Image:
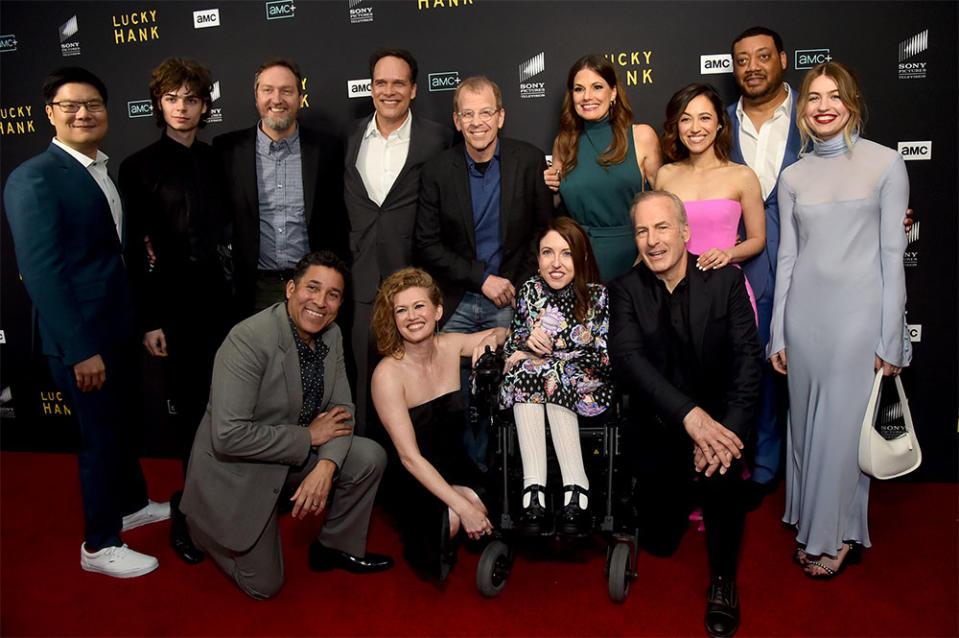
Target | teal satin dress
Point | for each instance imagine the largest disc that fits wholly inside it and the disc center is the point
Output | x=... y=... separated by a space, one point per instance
x=598 y=197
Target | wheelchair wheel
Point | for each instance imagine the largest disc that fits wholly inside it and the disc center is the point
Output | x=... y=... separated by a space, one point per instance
x=493 y=570
x=620 y=574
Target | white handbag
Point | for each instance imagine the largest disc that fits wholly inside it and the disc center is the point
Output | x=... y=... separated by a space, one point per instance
x=886 y=458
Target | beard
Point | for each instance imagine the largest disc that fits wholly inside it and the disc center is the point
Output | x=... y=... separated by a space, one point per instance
x=278 y=123
x=772 y=85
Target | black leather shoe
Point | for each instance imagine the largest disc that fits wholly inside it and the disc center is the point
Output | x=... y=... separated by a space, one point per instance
x=754 y=493
x=573 y=520
x=722 y=608
x=533 y=520
x=180 y=539
x=323 y=559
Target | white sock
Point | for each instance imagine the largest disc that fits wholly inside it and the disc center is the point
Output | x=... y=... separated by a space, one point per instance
x=569 y=452
x=531 y=432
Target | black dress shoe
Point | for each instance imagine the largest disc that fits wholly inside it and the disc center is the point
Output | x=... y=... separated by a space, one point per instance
x=323 y=559
x=722 y=608
x=180 y=539
x=754 y=493
x=573 y=520
x=533 y=520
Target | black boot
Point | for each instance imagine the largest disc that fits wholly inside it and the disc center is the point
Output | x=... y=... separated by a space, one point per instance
x=722 y=607
x=180 y=539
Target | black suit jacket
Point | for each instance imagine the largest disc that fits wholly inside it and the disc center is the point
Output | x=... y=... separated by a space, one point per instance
x=445 y=240
x=322 y=159
x=381 y=237
x=726 y=383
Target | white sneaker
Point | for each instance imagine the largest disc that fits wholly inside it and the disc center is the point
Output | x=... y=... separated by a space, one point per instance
x=149 y=513
x=119 y=562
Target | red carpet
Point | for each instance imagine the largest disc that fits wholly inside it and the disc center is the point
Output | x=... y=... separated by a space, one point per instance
x=907 y=585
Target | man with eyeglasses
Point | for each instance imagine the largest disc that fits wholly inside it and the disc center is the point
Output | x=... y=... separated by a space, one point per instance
x=286 y=189
x=68 y=229
x=481 y=208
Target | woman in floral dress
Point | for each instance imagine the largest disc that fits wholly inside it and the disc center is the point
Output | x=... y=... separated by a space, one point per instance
x=558 y=366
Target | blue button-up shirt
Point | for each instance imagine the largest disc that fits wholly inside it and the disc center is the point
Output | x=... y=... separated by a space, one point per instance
x=279 y=185
x=485 y=193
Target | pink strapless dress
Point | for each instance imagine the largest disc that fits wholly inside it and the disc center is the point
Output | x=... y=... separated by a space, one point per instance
x=714 y=223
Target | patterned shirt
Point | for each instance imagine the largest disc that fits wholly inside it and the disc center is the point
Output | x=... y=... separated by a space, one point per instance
x=312 y=367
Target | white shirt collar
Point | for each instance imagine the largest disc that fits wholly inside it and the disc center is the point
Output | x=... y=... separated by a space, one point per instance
x=402 y=133
x=785 y=107
x=84 y=159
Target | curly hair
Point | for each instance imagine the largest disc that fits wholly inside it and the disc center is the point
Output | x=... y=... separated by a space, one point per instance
x=849 y=92
x=571 y=124
x=585 y=270
x=174 y=73
x=388 y=339
x=672 y=146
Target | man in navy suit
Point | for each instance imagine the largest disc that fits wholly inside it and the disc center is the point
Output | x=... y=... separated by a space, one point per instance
x=766 y=139
x=68 y=226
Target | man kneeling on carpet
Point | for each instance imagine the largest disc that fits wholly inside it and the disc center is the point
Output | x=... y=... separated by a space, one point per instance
x=280 y=416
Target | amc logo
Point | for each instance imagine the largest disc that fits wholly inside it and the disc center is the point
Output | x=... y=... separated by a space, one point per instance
x=206 y=19
x=280 y=9
x=808 y=58
x=8 y=43
x=140 y=108
x=445 y=81
x=916 y=150
x=915 y=332
x=358 y=88
x=716 y=63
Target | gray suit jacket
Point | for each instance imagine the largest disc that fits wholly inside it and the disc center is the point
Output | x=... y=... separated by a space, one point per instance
x=381 y=237
x=249 y=437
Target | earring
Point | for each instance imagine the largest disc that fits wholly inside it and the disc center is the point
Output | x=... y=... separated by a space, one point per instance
x=612 y=103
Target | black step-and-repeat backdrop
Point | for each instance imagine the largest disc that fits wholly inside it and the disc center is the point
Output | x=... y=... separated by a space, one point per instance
x=905 y=54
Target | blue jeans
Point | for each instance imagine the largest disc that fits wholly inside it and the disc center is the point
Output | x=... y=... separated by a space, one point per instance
x=473 y=314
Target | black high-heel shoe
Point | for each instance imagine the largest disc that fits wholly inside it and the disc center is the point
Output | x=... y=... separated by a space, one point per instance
x=852 y=557
x=533 y=520
x=573 y=520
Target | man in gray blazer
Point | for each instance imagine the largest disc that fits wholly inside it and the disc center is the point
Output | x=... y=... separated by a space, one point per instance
x=384 y=155
x=280 y=416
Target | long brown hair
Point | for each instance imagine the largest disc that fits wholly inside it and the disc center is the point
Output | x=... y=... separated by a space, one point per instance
x=672 y=146
x=388 y=339
x=585 y=270
x=571 y=124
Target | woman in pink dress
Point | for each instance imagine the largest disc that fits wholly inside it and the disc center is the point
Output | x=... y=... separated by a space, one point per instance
x=697 y=137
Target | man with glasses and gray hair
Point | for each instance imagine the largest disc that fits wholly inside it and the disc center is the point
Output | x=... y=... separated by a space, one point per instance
x=68 y=228
x=482 y=206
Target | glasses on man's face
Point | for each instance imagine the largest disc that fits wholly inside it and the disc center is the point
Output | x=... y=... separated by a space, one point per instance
x=484 y=116
x=92 y=106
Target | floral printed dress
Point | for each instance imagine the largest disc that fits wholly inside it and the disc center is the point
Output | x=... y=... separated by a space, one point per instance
x=576 y=375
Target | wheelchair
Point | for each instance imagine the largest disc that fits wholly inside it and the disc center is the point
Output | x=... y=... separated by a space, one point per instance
x=600 y=438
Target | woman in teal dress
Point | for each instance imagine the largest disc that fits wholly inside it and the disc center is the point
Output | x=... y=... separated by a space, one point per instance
x=601 y=160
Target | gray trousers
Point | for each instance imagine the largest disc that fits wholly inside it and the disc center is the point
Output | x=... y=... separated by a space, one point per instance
x=258 y=571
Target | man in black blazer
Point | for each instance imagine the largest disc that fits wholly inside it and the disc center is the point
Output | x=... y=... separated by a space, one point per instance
x=482 y=207
x=286 y=189
x=684 y=345
x=384 y=156
x=68 y=226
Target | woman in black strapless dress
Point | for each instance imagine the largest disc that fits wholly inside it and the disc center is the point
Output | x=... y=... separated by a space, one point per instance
x=416 y=392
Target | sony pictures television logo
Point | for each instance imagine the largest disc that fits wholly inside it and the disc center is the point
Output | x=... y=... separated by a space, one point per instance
x=808 y=58
x=444 y=81
x=8 y=43
x=216 y=113
x=529 y=70
x=139 y=108
x=206 y=18
x=69 y=45
x=910 y=48
x=360 y=14
x=910 y=258
x=358 y=88
x=280 y=9
x=715 y=63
